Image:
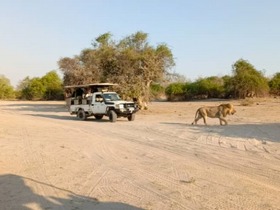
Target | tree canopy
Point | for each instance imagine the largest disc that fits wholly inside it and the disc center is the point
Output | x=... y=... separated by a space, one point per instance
x=247 y=81
x=48 y=87
x=274 y=84
x=131 y=62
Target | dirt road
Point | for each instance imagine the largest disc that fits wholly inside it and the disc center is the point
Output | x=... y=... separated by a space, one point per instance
x=51 y=160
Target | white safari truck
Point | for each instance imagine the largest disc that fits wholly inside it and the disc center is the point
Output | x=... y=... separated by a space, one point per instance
x=96 y=100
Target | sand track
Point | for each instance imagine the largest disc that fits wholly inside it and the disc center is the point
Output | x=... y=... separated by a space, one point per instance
x=51 y=160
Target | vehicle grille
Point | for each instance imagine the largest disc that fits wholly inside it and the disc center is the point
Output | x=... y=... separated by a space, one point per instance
x=128 y=105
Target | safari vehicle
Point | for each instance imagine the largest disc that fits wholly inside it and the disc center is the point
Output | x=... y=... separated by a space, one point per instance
x=96 y=100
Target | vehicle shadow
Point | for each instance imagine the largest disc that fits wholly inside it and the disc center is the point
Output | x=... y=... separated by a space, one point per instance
x=52 y=116
x=70 y=117
x=74 y=118
x=17 y=195
x=260 y=131
x=37 y=107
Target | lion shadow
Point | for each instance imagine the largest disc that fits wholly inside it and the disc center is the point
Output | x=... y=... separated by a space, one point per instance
x=260 y=131
x=17 y=195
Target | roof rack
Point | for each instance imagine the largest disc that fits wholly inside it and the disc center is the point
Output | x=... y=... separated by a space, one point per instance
x=93 y=85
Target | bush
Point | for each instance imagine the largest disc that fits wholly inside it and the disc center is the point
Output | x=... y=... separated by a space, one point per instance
x=248 y=81
x=175 y=91
x=157 y=91
x=6 y=89
x=49 y=87
x=274 y=84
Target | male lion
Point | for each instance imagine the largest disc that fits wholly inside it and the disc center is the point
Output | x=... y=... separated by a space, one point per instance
x=220 y=112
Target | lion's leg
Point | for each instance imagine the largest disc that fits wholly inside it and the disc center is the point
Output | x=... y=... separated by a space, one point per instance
x=223 y=120
x=196 y=119
x=205 y=119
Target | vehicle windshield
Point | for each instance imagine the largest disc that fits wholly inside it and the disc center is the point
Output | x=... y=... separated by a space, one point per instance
x=111 y=97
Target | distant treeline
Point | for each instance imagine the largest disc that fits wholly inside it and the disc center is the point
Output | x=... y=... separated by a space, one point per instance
x=246 y=81
x=48 y=87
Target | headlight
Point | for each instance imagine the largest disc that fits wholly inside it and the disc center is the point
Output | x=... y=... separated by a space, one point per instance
x=120 y=106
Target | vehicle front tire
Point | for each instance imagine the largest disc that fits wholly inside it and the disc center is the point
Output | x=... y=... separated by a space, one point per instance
x=81 y=114
x=112 y=116
x=131 y=117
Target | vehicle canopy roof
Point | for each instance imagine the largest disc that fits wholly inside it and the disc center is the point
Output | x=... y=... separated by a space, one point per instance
x=93 y=85
x=79 y=90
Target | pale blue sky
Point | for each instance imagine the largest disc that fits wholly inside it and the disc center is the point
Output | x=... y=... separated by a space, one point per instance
x=205 y=36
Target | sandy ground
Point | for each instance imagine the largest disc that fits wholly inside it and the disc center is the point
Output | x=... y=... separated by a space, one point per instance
x=50 y=160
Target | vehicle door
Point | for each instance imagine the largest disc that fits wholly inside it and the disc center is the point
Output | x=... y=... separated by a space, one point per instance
x=98 y=105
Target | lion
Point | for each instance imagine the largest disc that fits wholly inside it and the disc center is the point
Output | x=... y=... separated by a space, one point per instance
x=220 y=112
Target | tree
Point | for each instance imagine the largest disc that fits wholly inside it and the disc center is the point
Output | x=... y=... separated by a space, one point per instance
x=228 y=86
x=274 y=84
x=209 y=87
x=198 y=89
x=6 y=89
x=73 y=71
x=32 y=88
x=247 y=81
x=48 y=87
x=215 y=86
x=53 y=86
x=22 y=89
x=132 y=63
x=157 y=91
x=175 y=91
x=174 y=77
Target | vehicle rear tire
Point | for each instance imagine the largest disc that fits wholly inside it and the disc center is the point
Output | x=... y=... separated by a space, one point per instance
x=82 y=115
x=112 y=116
x=99 y=116
x=131 y=117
